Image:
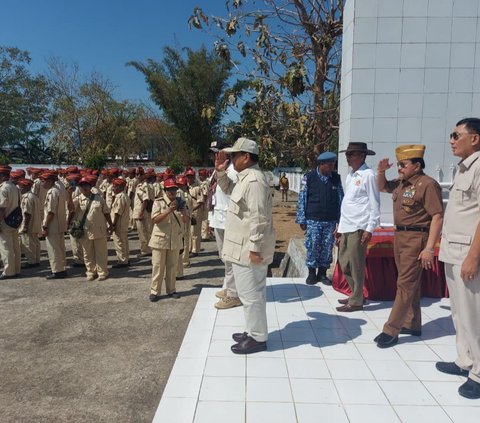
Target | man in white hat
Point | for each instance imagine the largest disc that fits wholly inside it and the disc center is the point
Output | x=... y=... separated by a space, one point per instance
x=249 y=241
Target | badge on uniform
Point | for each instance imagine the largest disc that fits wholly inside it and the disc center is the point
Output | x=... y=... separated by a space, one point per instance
x=409 y=193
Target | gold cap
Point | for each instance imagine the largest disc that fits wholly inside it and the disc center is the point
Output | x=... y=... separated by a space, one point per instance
x=410 y=151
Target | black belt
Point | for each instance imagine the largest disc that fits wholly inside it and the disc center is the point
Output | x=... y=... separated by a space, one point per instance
x=412 y=228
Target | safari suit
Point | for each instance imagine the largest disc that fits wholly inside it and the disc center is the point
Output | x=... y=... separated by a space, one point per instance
x=165 y=243
x=9 y=241
x=94 y=239
x=196 y=193
x=109 y=195
x=55 y=202
x=461 y=220
x=415 y=201
x=41 y=193
x=121 y=206
x=75 y=244
x=144 y=226
x=29 y=242
x=131 y=187
x=249 y=227
x=203 y=210
x=184 y=258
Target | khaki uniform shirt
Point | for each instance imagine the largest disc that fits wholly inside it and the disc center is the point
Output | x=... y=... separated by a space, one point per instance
x=196 y=194
x=31 y=204
x=132 y=184
x=142 y=193
x=39 y=191
x=55 y=203
x=167 y=234
x=157 y=190
x=415 y=200
x=121 y=206
x=462 y=214
x=109 y=195
x=9 y=200
x=249 y=224
x=95 y=224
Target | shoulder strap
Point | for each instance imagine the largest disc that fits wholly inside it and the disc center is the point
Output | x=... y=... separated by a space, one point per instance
x=84 y=217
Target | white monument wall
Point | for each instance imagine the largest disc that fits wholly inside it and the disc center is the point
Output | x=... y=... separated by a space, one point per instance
x=410 y=71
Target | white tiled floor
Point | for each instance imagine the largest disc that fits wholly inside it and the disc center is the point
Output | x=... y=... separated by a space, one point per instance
x=320 y=365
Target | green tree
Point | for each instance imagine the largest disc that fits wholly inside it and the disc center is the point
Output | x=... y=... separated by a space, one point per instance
x=189 y=92
x=293 y=54
x=24 y=102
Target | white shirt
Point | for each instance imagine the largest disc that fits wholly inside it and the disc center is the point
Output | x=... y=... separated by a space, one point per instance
x=361 y=205
x=220 y=200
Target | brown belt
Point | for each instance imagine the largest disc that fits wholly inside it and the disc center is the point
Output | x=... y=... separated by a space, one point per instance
x=412 y=228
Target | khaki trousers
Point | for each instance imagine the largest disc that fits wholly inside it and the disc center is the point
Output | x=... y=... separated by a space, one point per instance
x=465 y=305
x=56 y=251
x=252 y=288
x=205 y=234
x=164 y=265
x=95 y=255
x=10 y=250
x=406 y=310
x=196 y=237
x=30 y=246
x=351 y=256
x=77 y=249
x=144 y=229
x=120 y=243
x=229 y=279
x=186 y=245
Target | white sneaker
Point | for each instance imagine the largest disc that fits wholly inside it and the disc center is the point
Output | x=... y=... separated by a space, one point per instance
x=228 y=302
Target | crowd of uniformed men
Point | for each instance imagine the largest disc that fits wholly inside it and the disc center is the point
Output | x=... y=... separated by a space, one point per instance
x=103 y=203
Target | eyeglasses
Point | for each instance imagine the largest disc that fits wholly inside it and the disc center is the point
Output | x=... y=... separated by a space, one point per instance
x=457 y=135
x=403 y=165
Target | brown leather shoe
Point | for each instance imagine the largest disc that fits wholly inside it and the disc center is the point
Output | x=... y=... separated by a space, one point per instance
x=347 y=308
x=248 y=346
x=345 y=301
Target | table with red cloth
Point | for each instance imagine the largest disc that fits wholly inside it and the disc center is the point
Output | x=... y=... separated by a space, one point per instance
x=381 y=271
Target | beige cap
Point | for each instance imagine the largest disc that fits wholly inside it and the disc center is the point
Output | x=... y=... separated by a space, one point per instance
x=410 y=151
x=243 y=144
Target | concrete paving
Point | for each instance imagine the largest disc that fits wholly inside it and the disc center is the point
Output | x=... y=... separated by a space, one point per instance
x=77 y=351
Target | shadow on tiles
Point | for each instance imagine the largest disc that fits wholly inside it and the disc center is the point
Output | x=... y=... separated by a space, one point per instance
x=291 y=293
x=300 y=332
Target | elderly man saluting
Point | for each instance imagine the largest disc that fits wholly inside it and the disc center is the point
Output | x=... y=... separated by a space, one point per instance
x=249 y=239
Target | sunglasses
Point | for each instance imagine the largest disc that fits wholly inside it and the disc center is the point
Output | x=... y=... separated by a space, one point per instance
x=402 y=165
x=457 y=135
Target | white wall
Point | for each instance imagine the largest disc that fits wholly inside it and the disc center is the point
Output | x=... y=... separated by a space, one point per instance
x=410 y=71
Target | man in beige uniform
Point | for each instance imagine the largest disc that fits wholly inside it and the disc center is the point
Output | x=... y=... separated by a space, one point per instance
x=38 y=189
x=75 y=244
x=198 y=200
x=120 y=216
x=460 y=251
x=9 y=242
x=94 y=240
x=31 y=224
x=143 y=219
x=184 y=258
x=54 y=225
x=249 y=239
x=165 y=241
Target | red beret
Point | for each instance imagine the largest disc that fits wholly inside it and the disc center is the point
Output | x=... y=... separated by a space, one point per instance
x=48 y=176
x=170 y=183
x=5 y=170
x=119 y=182
x=181 y=180
x=74 y=177
x=71 y=169
x=19 y=173
x=25 y=182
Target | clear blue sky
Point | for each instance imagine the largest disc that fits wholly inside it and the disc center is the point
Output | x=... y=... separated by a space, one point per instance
x=103 y=35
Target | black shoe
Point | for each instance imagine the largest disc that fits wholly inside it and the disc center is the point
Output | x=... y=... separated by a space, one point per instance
x=175 y=295
x=120 y=265
x=248 y=346
x=3 y=276
x=312 y=277
x=450 y=368
x=153 y=298
x=239 y=337
x=58 y=275
x=385 y=341
x=413 y=332
x=78 y=265
x=324 y=279
x=470 y=389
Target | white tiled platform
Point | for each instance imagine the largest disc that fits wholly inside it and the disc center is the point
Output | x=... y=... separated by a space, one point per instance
x=320 y=366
